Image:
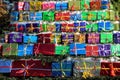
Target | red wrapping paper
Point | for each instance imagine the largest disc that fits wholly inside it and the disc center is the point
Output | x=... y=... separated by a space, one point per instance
x=95 y=5
x=67 y=27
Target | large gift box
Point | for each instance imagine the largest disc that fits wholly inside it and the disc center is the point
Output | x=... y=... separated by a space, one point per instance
x=74 y=5
x=115 y=49
x=15 y=37
x=92 y=50
x=106 y=38
x=48 y=16
x=25 y=49
x=5 y=66
x=86 y=67
x=14 y=16
x=77 y=49
x=61 y=50
x=104 y=50
x=116 y=38
x=75 y=16
x=30 y=68
x=45 y=49
x=62 y=69
x=93 y=38
x=95 y=5
x=80 y=37
x=10 y=49
x=67 y=27
x=45 y=38
x=48 y=5
x=61 y=5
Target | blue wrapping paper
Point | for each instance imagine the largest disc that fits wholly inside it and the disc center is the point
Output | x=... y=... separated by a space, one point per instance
x=75 y=16
x=14 y=16
x=58 y=27
x=104 y=4
x=30 y=39
x=38 y=16
x=116 y=38
x=61 y=6
x=21 y=27
x=5 y=66
x=31 y=16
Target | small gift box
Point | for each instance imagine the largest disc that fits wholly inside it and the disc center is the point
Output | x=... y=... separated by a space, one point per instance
x=48 y=16
x=14 y=16
x=20 y=6
x=104 y=50
x=116 y=37
x=74 y=5
x=84 y=15
x=77 y=49
x=85 y=4
x=61 y=50
x=30 y=68
x=62 y=16
x=79 y=37
x=32 y=27
x=5 y=66
x=67 y=27
x=45 y=49
x=91 y=50
x=93 y=38
x=95 y=5
x=105 y=4
x=57 y=39
x=30 y=38
x=10 y=49
x=21 y=27
x=48 y=5
x=92 y=15
x=25 y=49
x=115 y=50
x=62 y=69
x=58 y=27
x=75 y=16
x=61 y=6
x=67 y=38
x=110 y=69
x=92 y=27
x=26 y=6
x=38 y=16
x=45 y=38
x=86 y=67
x=106 y=38
x=15 y=37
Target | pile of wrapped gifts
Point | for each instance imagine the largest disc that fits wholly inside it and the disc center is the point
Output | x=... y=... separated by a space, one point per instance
x=69 y=27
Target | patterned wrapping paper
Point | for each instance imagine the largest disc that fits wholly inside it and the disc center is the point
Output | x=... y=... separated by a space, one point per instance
x=48 y=16
x=91 y=50
x=25 y=49
x=106 y=38
x=62 y=69
x=115 y=49
x=38 y=5
x=5 y=66
x=30 y=68
x=116 y=38
x=80 y=37
x=104 y=50
x=75 y=16
x=58 y=27
x=61 y=5
x=32 y=16
x=32 y=5
x=82 y=27
x=95 y=5
x=92 y=15
x=51 y=27
x=26 y=6
x=45 y=49
x=57 y=39
x=93 y=38
x=105 y=4
x=92 y=27
x=61 y=50
x=10 y=49
x=48 y=5
x=87 y=67
x=14 y=16
x=67 y=38
x=46 y=38
x=30 y=38
x=77 y=49
x=85 y=4
x=15 y=37
x=74 y=5
x=67 y=27
x=106 y=15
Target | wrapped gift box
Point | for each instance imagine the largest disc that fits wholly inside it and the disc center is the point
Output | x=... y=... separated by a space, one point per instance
x=74 y=5
x=48 y=16
x=15 y=37
x=48 y=5
x=95 y=5
x=51 y=27
x=26 y=6
x=106 y=37
x=57 y=38
x=21 y=27
x=84 y=15
x=106 y=15
x=75 y=16
x=38 y=5
x=16 y=6
x=82 y=27
x=92 y=27
x=79 y=37
x=25 y=16
x=61 y=16
x=77 y=49
x=86 y=67
x=32 y=27
x=100 y=15
x=105 y=4
x=110 y=69
x=32 y=16
x=58 y=27
x=38 y=16
x=61 y=6
x=25 y=49
x=92 y=15
x=20 y=6
x=112 y=15
x=93 y=38
x=32 y=5
x=116 y=37
x=10 y=49
x=67 y=27
x=45 y=49
x=30 y=68
x=14 y=16
x=45 y=38
x=91 y=50
x=5 y=66
x=62 y=69
x=104 y=50
x=61 y=50
x=67 y=38
x=85 y=4
x=116 y=25
x=115 y=49
x=30 y=38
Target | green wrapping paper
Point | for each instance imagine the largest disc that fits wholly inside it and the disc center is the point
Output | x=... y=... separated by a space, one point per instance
x=61 y=50
x=112 y=15
x=115 y=50
x=106 y=15
x=84 y=15
x=48 y=16
x=92 y=27
x=10 y=49
x=99 y=15
x=85 y=4
x=92 y=15
x=106 y=37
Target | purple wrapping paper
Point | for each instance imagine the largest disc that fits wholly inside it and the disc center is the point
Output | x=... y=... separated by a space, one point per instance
x=104 y=50
x=116 y=37
x=15 y=37
x=69 y=38
x=26 y=5
x=93 y=38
